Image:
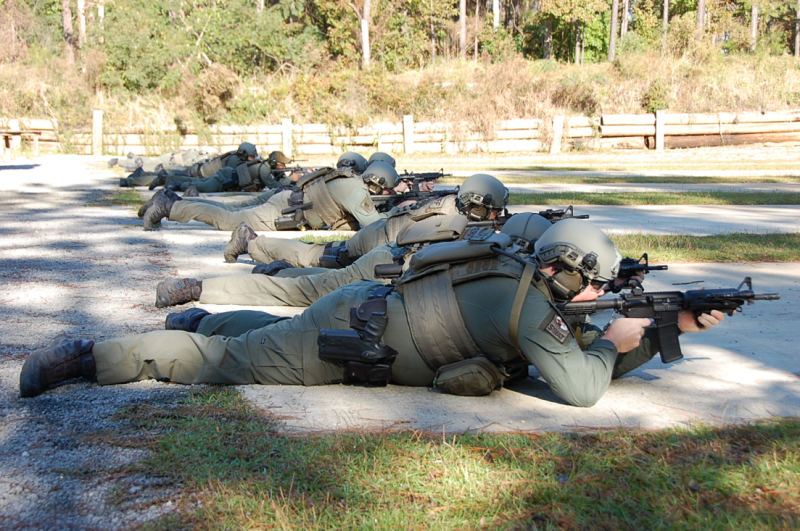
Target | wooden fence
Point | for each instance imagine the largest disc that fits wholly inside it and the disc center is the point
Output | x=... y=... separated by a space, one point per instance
x=645 y=131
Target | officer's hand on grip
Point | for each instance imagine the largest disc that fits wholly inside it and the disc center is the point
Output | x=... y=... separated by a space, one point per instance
x=626 y=333
x=688 y=324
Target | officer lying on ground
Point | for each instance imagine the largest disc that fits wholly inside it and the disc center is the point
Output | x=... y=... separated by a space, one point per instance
x=480 y=198
x=332 y=198
x=302 y=286
x=464 y=317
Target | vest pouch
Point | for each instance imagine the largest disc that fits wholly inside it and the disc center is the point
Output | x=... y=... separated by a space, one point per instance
x=473 y=377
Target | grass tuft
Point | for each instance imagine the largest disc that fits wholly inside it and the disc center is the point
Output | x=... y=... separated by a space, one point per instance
x=656 y=198
x=737 y=247
x=246 y=475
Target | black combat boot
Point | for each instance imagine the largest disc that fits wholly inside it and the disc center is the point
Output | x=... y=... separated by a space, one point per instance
x=175 y=291
x=147 y=204
x=240 y=236
x=123 y=183
x=187 y=321
x=160 y=180
x=63 y=359
x=191 y=192
x=271 y=269
x=160 y=209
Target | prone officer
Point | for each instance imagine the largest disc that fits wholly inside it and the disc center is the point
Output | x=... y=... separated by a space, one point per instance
x=465 y=317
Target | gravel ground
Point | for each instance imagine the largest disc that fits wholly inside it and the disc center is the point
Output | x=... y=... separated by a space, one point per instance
x=72 y=265
x=68 y=268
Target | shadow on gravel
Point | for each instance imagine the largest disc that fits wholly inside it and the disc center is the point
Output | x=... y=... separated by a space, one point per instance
x=18 y=167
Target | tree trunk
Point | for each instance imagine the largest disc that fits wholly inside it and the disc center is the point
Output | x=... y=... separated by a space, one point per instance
x=612 y=42
x=623 y=27
x=701 y=18
x=81 y=23
x=547 y=45
x=797 y=31
x=462 y=27
x=69 y=35
x=433 y=36
x=665 y=27
x=496 y=14
x=577 y=42
x=753 y=27
x=365 y=17
x=260 y=6
x=477 y=26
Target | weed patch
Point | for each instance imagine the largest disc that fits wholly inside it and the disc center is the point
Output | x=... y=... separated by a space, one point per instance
x=248 y=476
x=656 y=198
x=737 y=247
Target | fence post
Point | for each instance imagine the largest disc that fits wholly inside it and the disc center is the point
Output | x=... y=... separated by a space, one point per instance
x=558 y=134
x=408 y=134
x=286 y=136
x=660 y=129
x=97 y=132
x=15 y=142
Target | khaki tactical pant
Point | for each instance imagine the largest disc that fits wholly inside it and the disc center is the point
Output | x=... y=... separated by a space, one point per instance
x=235 y=202
x=262 y=290
x=261 y=217
x=282 y=353
x=265 y=249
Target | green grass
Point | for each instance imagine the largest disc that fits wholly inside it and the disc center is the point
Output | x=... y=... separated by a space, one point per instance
x=337 y=237
x=656 y=198
x=247 y=476
x=570 y=179
x=736 y=247
x=126 y=197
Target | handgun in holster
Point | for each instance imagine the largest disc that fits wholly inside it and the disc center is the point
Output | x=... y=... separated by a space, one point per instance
x=367 y=360
x=293 y=217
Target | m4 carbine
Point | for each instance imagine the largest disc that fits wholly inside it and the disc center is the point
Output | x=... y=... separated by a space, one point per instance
x=628 y=268
x=663 y=308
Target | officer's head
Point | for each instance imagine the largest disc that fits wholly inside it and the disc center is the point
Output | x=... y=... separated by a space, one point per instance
x=526 y=226
x=247 y=151
x=383 y=157
x=574 y=253
x=352 y=160
x=380 y=177
x=482 y=197
x=277 y=160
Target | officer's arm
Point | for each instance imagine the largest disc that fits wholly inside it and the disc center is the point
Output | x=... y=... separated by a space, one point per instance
x=356 y=200
x=579 y=377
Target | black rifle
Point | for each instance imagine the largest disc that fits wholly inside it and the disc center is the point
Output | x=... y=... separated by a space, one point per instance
x=416 y=178
x=296 y=169
x=628 y=267
x=557 y=215
x=413 y=196
x=663 y=307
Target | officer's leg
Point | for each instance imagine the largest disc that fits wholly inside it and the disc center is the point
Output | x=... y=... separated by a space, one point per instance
x=368 y=238
x=265 y=250
x=234 y=324
x=141 y=178
x=204 y=186
x=259 y=218
x=294 y=272
x=262 y=290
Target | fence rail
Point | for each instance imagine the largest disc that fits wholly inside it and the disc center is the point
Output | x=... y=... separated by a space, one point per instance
x=660 y=130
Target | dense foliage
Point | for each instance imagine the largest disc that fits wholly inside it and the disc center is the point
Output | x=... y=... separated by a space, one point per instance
x=251 y=60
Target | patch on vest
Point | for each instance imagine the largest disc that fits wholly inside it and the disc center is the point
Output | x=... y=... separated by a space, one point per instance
x=367 y=205
x=478 y=234
x=554 y=325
